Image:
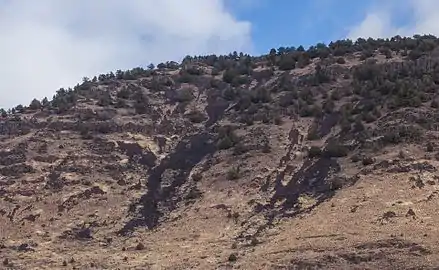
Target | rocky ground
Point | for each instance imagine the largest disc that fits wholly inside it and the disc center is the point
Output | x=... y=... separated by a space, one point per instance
x=321 y=166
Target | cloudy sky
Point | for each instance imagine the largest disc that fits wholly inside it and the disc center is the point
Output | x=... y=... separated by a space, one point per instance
x=48 y=44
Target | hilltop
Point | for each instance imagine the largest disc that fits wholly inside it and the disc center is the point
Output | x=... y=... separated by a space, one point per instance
x=313 y=158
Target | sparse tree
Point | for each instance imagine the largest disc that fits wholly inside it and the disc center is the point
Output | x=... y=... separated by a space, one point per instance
x=19 y=109
x=45 y=102
x=35 y=104
x=3 y=113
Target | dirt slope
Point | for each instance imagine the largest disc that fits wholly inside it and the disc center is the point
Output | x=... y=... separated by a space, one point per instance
x=317 y=159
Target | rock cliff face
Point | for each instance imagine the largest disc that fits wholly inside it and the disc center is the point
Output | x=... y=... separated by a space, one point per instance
x=325 y=158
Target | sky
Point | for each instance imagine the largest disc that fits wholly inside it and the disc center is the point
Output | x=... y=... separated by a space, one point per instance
x=48 y=44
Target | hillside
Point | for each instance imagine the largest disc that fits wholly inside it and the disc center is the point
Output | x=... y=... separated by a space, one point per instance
x=319 y=158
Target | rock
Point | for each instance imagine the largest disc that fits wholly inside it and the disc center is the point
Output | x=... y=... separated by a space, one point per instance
x=17 y=169
x=46 y=159
x=193 y=194
x=84 y=233
x=32 y=217
x=135 y=151
x=121 y=182
x=97 y=190
x=354 y=208
x=368 y=161
x=233 y=257
x=411 y=213
x=54 y=181
x=388 y=215
x=417 y=182
x=24 y=247
x=140 y=246
x=432 y=195
x=26 y=192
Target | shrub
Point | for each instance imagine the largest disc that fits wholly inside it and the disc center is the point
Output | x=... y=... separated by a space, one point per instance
x=185 y=77
x=341 y=61
x=260 y=94
x=233 y=257
x=247 y=119
x=196 y=116
x=233 y=173
x=368 y=117
x=120 y=103
x=226 y=138
x=85 y=133
x=366 y=54
x=35 y=104
x=215 y=72
x=336 y=150
x=240 y=80
x=415 y=54
x=104 y=99
x=314 y=152
x=313 y=132
x=287 y=63
x=240 y=149
x=184 y=95
x=356 y=158
x=368 y=161
x=197 y=177
x=229 y=75
x=263 y=74
x=402 y=133
x=225 y=143
x=277 y=119
x=19 y=109
x=430 y=147
x=194 y=70
x=266 y=148
x=124 y=93
x=337 y=183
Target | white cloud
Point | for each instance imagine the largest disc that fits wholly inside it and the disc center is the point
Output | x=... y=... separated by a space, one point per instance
x=424 y=19
x=48 y=44
x=374 y=25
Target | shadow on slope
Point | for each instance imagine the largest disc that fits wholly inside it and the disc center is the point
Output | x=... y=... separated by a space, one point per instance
x=168 y=183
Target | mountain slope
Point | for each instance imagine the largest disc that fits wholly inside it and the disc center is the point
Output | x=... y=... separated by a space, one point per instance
x=324 y=158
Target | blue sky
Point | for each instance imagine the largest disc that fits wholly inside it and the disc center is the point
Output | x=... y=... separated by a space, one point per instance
x=296 y=22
